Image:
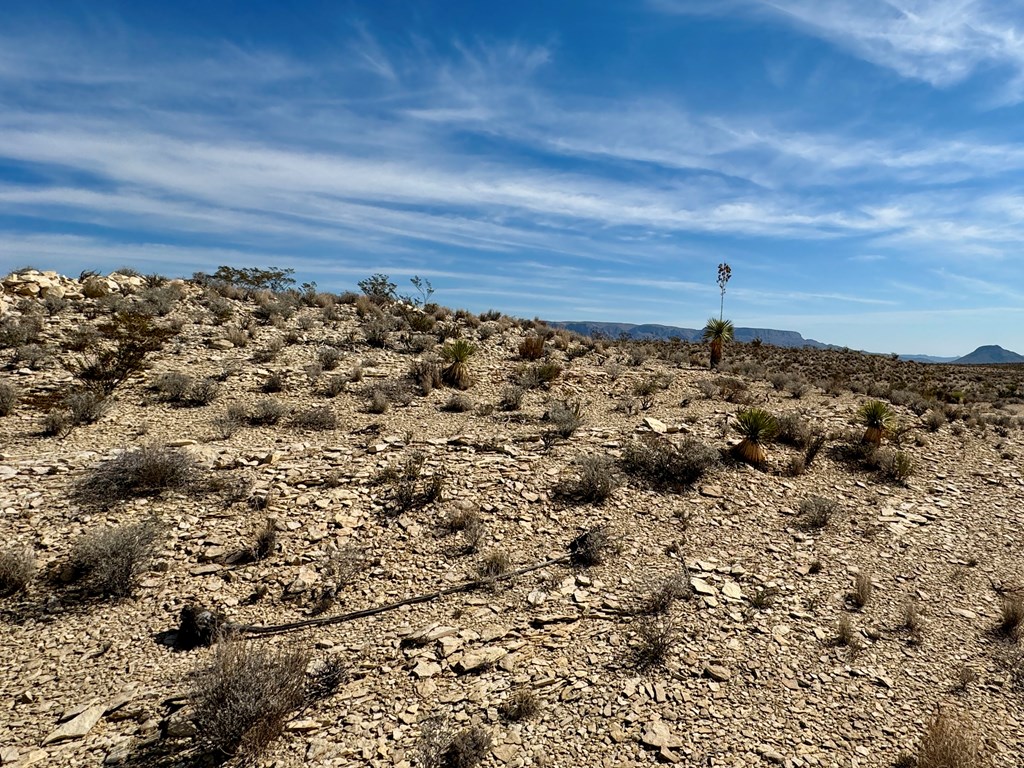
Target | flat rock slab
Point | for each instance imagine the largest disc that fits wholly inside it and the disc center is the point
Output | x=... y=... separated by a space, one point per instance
x=658 y=735
x=482 y=658
x=78 y=726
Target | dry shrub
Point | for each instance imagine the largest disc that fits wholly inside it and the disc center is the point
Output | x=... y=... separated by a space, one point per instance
x=592 y=481
x=566 y=417
x=144 y=471
x=241 y=701
x=661 y=464
x=267 y=412
x=320 y=419
x=593 y=546
x=458 y=404
x=8 y=398
x=952 y=743
x=511 y=398
x=816 y=513
x=16 y=571
x=107 y=562
x=494 y=564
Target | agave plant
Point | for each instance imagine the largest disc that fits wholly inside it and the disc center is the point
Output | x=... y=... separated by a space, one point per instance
x=456 y=373
x=718 y=332
x=757 y=427
x=878 y=419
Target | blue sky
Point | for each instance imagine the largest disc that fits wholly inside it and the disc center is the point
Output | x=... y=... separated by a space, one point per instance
x=858 y=163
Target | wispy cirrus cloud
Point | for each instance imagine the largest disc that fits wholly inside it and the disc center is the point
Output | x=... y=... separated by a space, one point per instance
x=942 y=42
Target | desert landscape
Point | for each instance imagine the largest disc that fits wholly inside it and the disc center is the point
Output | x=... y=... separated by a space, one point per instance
x=247 y=523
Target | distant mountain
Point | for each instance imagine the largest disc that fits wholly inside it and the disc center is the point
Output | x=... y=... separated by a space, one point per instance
x=927 y=359
x=652 y=331
x=990 y=354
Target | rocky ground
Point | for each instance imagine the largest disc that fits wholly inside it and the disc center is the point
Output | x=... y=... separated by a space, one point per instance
x=755 y=674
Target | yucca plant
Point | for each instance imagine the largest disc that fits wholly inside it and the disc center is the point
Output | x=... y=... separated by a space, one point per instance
x=757 y=427
x=717 y=331
x=878 y=419
x=456 y=373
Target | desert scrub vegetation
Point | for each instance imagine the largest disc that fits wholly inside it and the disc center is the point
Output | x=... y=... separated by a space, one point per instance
x=565 y=417
x=951 y=743
x=656 y=638
x=660 y=463
x=591 y=480
x=144 y=471
x=406 y=487
x=120 y=351
x=181 y=389
x=241 y=700
x=521 y=704
x=816 y=513
x=17 y=569
x=531 y=348
x=107 y=562
x=8 y=398
x=321 y=419
x=442 y=746
x=78 y=406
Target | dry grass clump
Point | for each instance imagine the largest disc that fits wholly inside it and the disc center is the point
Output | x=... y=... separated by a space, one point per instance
x=458 y=404
x=896 y=466
x=241 y=701
x=674 y=588
x=144 y=471
x=661 y=464
x=592 y=481
x=107 y=562
x=79 y=406
x=441 y=746
x=862 y=589
x=1011 y=616
x=17 y=567
x=522 y=704
x=406 y=487
x=655 y=640
x=951 y=743
x=494 y=564
x=532 y=348
x=511 y=398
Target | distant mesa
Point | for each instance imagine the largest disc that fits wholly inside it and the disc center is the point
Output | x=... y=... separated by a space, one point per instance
x=651 y=331
x=989 y=354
